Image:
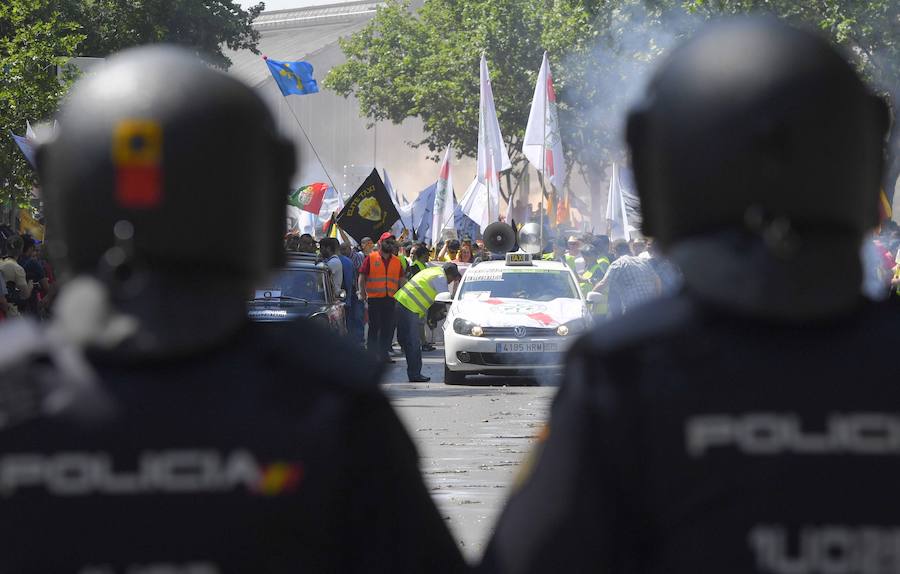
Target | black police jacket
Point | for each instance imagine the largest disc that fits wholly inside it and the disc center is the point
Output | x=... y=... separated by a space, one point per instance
x=270 y=454
x=685 y=440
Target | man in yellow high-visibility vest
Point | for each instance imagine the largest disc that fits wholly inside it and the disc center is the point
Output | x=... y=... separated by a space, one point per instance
x=413 y=301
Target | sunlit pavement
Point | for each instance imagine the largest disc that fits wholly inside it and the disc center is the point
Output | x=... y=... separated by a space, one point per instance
x=471 y=438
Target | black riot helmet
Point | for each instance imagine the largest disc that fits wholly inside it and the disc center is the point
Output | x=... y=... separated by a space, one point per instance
x=753 y=122
x=158 y=157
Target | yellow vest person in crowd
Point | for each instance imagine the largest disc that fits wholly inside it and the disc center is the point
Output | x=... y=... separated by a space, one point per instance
x=414 y=299
x=594 y=270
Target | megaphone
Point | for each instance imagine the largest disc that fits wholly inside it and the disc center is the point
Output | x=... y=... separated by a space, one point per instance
x=499 y=237
x=530 y=239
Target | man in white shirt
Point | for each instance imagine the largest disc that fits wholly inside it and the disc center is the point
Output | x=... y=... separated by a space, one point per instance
x=11 y=270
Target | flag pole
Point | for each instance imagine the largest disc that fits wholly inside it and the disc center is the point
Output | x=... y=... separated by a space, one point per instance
x=309 y=141
x=511 y=191
x=343 y=234
x=488 y=165
x=331 y=224
x=544 y=152
x=543 y=199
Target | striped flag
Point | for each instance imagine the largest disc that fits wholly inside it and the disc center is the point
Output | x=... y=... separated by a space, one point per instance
x=542 y=144
x=444 y=200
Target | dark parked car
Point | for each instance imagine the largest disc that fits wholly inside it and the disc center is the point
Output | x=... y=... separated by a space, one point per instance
x=301 y=289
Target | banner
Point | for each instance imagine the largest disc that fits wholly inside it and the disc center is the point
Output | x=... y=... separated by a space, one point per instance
x=370 y=212
x=30 y=225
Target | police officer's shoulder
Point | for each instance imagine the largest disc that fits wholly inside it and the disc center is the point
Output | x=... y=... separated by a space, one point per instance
x=319 y=356
x=658 y=320
x=41 y=376
x=20 y=393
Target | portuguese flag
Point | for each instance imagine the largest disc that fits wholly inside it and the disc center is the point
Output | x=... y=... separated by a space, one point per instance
x=309 y=197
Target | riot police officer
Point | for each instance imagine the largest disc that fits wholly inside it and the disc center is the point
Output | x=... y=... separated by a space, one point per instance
x=151 y=427
x=748 y=423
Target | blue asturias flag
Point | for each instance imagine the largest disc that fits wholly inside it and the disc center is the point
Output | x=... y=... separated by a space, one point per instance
x=293 y=77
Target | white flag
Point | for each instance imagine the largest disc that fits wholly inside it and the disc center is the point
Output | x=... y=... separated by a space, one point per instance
x=616 y=218
x=542 y=145
x=492 y=156
x=444 y=200
x=474 y=204
x=390 y=189
x=398 y=226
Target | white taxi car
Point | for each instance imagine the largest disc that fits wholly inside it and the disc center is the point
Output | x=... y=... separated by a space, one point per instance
x=515 y=316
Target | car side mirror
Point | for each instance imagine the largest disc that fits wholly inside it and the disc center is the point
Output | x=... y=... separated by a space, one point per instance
x=594 y=297
x=444 y=297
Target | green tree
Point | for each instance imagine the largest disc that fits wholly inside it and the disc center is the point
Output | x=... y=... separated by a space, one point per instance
x=203 y=25
x=38 y=35
x=34 y=39
x=425 y=64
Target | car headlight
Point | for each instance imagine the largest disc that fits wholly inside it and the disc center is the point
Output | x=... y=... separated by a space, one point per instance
x=571 y=328
x=464 y=327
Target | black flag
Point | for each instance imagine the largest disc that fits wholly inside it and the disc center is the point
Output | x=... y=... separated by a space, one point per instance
x=370 y=212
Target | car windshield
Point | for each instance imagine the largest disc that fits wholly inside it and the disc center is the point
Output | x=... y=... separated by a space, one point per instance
x=526 y=283
x=289 y=284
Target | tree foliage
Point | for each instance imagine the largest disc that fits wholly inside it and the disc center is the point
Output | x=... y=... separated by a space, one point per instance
x=38 y=35
x=203 y=25
x=425 y=64
x=33 y=40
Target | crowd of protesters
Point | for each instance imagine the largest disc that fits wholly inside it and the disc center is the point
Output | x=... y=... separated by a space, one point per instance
x=626 y=273
x=28 y=284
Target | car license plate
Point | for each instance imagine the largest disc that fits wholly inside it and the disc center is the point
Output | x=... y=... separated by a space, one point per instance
x=527 y=347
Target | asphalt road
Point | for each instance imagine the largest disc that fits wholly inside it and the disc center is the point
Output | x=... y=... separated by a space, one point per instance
x=472 y=440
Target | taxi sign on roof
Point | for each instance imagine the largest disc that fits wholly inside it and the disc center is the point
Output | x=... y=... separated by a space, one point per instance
x=518 y=258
